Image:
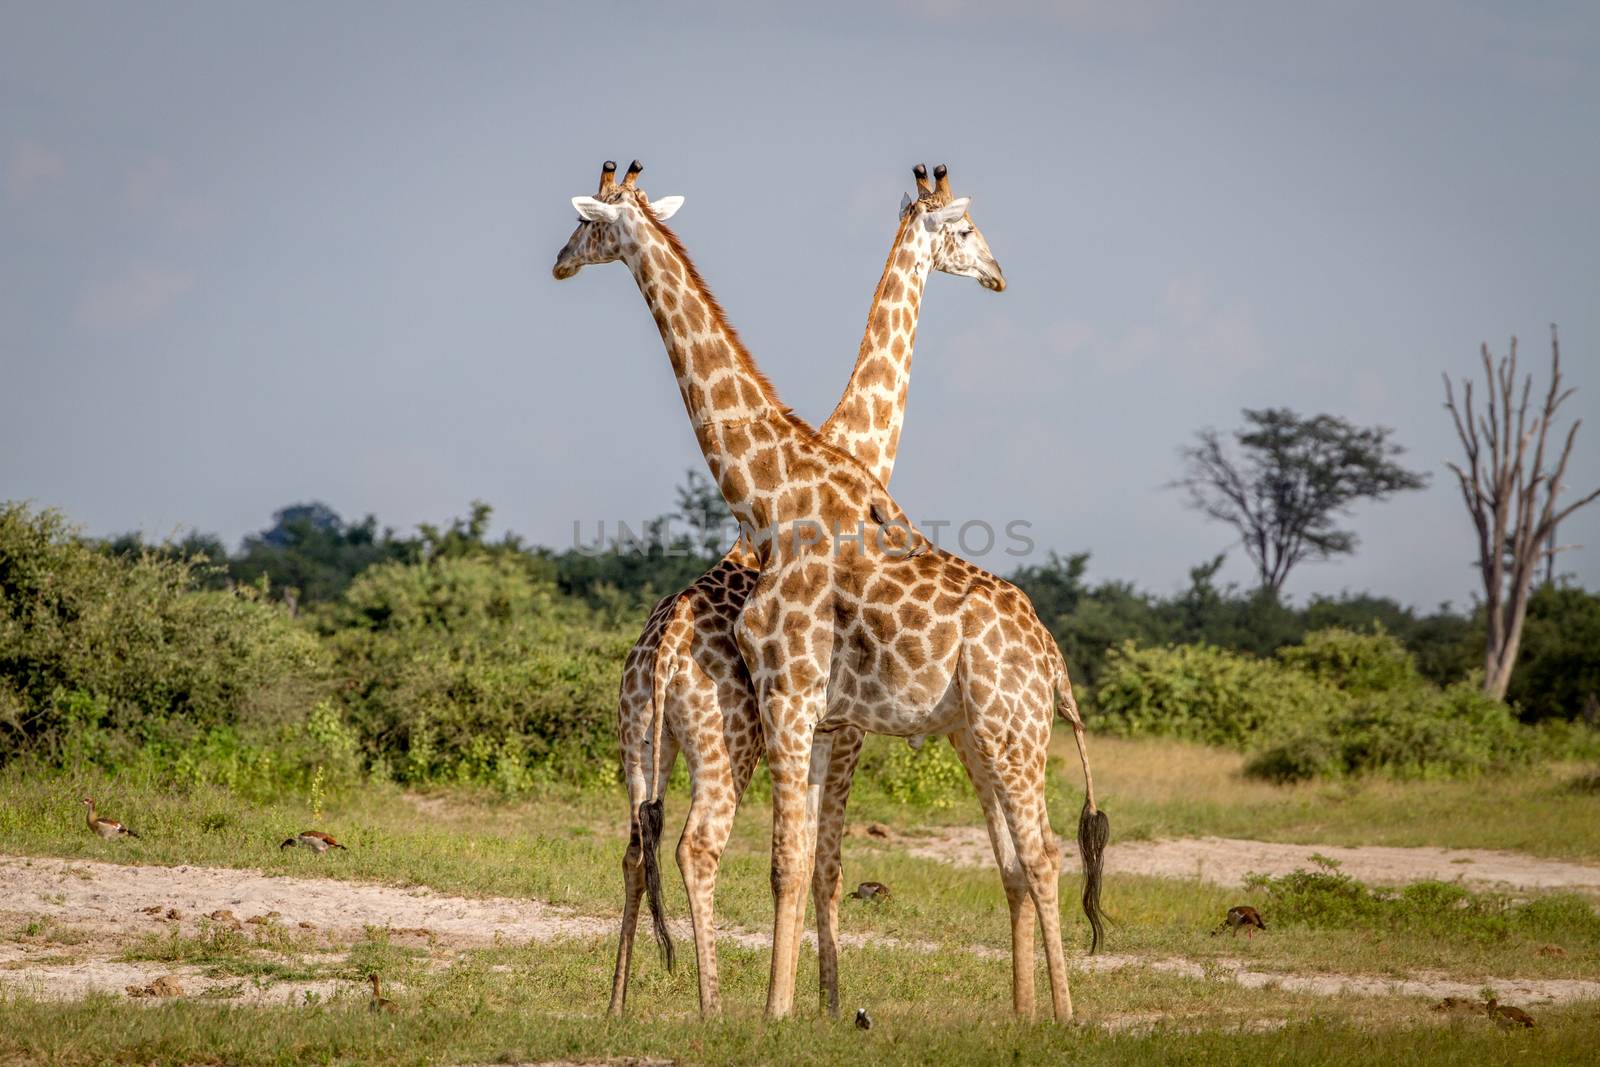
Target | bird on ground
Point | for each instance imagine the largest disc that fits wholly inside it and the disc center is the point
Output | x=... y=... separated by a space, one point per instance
x=105 y=827
x=1241 y=915
x=379 y=1002
x=315 y=840
x=863 y=1020
x=1506 y=1017
x=871 y=891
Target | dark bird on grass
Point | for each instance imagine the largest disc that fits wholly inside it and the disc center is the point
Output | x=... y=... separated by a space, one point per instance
x=1241 y=915
x=379 y=1002
x=105 y=827
x=315 y=840
x=1506 y=1017
x=871 y=891
x=863 y=1020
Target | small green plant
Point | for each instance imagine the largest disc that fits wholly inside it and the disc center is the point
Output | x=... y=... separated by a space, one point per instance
x=931 y=776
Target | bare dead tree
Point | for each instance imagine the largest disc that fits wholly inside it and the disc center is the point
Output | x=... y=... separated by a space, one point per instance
x=1512 y=495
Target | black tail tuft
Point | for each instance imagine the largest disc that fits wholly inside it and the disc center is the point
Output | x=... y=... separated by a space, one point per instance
x=650 y=817
x=1094 y=830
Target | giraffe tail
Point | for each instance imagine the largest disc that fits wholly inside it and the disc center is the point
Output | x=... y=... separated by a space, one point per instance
x=1094 y=828
x=650 y=810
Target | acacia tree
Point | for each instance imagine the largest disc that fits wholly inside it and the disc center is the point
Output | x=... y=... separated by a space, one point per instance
x=1294 y=476
x=1512 y=495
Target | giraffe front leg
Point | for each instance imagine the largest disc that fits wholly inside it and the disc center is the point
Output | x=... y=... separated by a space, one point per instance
x=827 y=881
x=789 y=748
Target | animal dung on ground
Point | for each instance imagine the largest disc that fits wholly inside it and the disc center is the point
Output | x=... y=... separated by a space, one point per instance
x=863 y=1020
x=1241 y=915
x=226 y=918
x=874 y=891
x=165 y=986
x=264 y=920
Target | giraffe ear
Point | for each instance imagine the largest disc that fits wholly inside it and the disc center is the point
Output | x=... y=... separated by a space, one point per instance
x=666 y=207
x=591 y=210
x=944 y=216
x=905 y=202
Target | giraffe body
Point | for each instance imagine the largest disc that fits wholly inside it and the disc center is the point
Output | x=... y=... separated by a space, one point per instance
x=686 y=671
x=855 y=619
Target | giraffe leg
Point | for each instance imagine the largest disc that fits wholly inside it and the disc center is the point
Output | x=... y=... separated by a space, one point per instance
x=635 y=867
x=1020 y=783
x=1012 y=876
x=816 y=784
x=633 y=892
x=790 y=763
x=705 y=835
x=827 y=881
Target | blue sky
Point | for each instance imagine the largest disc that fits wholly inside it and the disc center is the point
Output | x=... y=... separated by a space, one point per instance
x=257 y=255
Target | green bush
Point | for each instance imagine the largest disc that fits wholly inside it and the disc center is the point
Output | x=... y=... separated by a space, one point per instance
x=1327 y=898
x=1357 y=663
x=475 y=668
x=1416 y=730
x=931 y=776
x=101 y=655
x=1204 y=693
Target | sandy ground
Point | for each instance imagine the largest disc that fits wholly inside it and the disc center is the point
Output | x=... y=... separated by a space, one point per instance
x=1225 y=861
x=97 y=908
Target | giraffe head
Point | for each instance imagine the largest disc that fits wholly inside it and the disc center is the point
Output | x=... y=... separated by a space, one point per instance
x=607 y=220
x=959 y=247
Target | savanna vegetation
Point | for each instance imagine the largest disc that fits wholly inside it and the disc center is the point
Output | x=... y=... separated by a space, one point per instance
x=331 y=674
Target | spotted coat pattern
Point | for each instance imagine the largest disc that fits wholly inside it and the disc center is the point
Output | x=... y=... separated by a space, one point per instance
x=854 y=619
x=686 y=669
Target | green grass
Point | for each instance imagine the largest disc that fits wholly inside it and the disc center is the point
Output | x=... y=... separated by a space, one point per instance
x=544 y=1002
x=1161 y=788
x=945 y=1004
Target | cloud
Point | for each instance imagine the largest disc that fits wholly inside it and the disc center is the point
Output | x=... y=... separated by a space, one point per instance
x=138 y=296
x=29 y=166
x=1196 y=334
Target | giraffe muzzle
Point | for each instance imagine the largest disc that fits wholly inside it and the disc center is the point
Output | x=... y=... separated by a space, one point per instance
x=989 y=276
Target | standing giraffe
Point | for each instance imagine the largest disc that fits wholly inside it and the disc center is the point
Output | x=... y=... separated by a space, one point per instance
x=855 y=619
x=684 y=682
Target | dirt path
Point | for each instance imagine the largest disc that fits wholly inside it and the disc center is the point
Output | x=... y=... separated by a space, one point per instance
x=101 y=907
x=1225 y=861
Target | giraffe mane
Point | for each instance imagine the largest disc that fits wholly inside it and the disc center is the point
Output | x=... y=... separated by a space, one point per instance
x=720 y=318
x=867 y=344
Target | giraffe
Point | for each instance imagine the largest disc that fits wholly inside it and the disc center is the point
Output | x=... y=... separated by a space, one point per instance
x=684 y=679
x=855 y=618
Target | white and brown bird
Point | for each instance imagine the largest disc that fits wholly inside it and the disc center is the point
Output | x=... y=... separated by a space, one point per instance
x=105 y=827
x=863 y=1020
x=315 y=840
x=876 y=891
x=1241 y=915
x=378 y=1001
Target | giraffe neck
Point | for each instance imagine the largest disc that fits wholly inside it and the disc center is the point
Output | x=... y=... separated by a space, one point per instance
x=867 y=421
x=743 y=429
